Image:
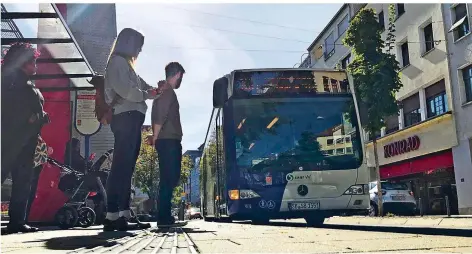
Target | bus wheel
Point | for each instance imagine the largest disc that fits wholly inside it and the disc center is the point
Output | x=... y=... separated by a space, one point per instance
x=314 y=221
x=260 y=221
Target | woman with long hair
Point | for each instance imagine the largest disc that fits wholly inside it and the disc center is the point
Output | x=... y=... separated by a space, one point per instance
x=126 y=93
x=22 y=120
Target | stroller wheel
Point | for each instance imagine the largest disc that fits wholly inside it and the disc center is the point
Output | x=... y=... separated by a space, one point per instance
x=86 y=217
x=66 y=217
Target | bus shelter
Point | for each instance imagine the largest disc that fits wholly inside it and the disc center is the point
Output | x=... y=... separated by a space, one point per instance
x=61 y=68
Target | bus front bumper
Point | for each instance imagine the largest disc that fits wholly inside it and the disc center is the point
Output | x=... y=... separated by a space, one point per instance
x=328 y=207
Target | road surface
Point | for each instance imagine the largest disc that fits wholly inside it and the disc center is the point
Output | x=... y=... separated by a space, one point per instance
x=279 y=237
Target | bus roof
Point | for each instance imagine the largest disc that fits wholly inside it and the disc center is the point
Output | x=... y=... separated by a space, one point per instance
x=289 y=69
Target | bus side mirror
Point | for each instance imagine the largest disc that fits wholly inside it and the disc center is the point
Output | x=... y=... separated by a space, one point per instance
x=220 y=92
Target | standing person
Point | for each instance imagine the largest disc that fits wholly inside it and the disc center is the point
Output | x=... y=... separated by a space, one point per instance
x=73 y=158
x=22 y=120
x=167 y=138
x=126 y=93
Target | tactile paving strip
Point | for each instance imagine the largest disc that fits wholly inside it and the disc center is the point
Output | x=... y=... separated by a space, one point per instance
x=172 y=240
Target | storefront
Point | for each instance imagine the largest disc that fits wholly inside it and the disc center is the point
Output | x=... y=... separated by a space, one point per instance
x=421 y=157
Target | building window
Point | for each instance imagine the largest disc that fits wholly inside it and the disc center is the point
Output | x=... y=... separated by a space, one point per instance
x=340 y=151
x=467 y=76
x=381 y=20
x=412 y=117
x=329 y=46
x=348 y=149
x=436 y=99
x=339 y=141
x=326 y=84
x=428 y=37
x=405 y=54
x=437 y=105
x=343 y=25
x=329 y=141
x=334 y=86
x=345 y=62
x=411 y=110
x=391 y=124
x=400 y=9
x=461 y=22
x=348 y=139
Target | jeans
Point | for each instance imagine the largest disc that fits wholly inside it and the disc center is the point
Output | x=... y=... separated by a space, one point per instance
x=126 y=128
x=34 y=187
x=169 y=152
x=21 y=170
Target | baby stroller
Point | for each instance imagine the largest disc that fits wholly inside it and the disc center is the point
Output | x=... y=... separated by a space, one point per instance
x=83 y=191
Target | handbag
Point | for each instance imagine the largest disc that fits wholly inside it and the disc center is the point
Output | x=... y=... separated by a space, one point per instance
x=41 y=152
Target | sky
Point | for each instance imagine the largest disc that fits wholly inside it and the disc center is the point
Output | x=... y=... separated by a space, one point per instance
x=210 y=41
x=188 y=34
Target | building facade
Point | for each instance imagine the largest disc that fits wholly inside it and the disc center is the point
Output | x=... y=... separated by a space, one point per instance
x=192 y=187
x=416 y=145
x=457 y=20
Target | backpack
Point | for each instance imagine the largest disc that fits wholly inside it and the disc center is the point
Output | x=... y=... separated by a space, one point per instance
x=103 y=111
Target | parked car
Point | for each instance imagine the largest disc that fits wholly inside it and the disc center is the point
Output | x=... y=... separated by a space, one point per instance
x=194 y=213
x=397 y=199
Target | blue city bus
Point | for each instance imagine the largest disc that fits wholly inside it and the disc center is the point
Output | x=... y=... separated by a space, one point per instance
x=282 y=144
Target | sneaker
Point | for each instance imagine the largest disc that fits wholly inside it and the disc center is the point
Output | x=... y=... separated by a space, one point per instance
x=166 y=221
x=109 y=225
x=121 y=224
x=140 y=224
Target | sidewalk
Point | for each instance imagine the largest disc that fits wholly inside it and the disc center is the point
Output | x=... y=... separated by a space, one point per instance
x=453 y=222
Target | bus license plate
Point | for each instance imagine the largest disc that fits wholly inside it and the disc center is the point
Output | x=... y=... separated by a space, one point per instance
x=301 y=206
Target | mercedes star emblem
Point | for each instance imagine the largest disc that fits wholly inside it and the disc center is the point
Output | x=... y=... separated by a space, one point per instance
x=302 y=190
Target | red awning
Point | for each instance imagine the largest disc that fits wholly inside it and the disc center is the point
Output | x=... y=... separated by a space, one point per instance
x=423 y=164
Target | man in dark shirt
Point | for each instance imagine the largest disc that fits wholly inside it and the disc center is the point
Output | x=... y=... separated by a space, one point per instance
x=167 y=137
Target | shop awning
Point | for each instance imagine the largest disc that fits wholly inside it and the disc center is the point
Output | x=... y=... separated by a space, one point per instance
x=426 y=164
x=43 y=26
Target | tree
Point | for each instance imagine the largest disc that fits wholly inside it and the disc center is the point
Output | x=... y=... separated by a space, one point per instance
x=375 y=74
x=186 y=167
x=146 y=175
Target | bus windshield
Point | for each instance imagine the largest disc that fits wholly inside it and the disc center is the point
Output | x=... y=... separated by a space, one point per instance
x=291 y=134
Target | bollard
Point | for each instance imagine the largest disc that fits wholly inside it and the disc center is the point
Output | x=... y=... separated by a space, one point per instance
x=420 y=201
x=448 y=208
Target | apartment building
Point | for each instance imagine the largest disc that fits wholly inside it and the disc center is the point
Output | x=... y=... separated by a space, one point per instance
x=425 y=121
x=457 y=20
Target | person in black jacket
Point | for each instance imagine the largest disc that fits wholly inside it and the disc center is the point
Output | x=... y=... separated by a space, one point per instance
x=72 y=156
x=22 y=120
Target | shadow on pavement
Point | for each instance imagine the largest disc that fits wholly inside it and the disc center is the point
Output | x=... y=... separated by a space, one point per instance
x=88 y=241
x=197 y=231
x=386 y=229
x=49 y=228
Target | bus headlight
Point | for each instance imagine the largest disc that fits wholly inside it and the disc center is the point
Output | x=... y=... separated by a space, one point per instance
x=357 y=190
x=242 y=194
